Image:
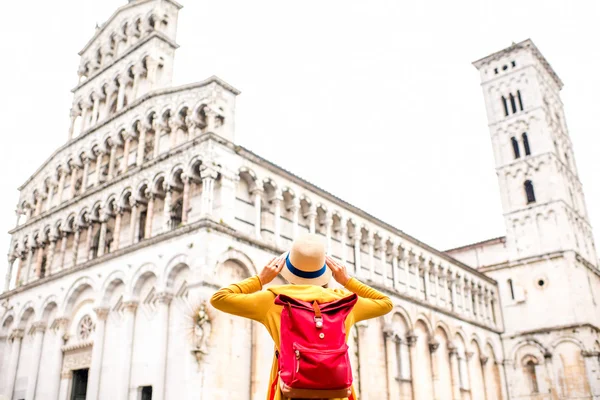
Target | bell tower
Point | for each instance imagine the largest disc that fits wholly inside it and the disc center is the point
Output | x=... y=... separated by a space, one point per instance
x=129 y=55
x=542 y=198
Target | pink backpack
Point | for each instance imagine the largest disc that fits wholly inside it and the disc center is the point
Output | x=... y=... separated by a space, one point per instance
x=313 y=354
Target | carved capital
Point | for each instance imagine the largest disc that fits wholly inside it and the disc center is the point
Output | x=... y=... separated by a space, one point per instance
x=208 y=172
x=102 y=313
x=39 y=326
x=59 y=323
x=483 y=360
x=433 y=345
x=411 y=338
x=164 y=297
x=16 y=334
x=469 y=354
x=130 y=306
x=452 y=349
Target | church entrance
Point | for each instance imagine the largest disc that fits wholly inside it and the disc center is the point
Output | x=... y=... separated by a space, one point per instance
x=79 y=384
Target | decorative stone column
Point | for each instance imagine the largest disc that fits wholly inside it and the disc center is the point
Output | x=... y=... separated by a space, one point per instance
x=185 y=201
x=383 y=257
x=73 y=177
x=311 y=215
x=454 y=372
x=86 y=172
x=391 y=355
x=50 y=255
x=111 y=160
x=130 y=308
x=149 y=215
x=328 y=225
x=426 y=277
x=475 y=294
x=138 y=71
x=17 y=338
x=295 y=209
x=11 y=261
x=411 y=339
x=50 y=196
x=74 y=113
x=483 y=360
x=167 y=208
x=371 y=247
x=39 y=259
x=277 y=216
x=133 y=223
x=357 y=266
x=61 y=184
x=363 y=357
x=30 y=262
x=99 y=159
x=163 y=301
x=88 y=240
x=126 y=149
x=102 y=238
x=63 y=249
x=85 y=107
x=97 y=353
x=38 y=329
x=123 y=80
x=435 y=374
x=395 y=274
x=157 y=134
x=95 y=108
x=76 y=244
x=406 y=261
x=117 y=233
x=550 y=372
x=58 y=326
x=464 y=370
x=257 y=193
x=175 y=124
x=343 y=237
x=209 y=175
x=139 y=158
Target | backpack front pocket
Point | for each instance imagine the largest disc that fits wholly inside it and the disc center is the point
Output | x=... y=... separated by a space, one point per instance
x=322 y=368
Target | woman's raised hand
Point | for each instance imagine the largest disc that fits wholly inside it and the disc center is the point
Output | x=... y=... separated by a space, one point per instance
x=271 y=270
x=340 y=274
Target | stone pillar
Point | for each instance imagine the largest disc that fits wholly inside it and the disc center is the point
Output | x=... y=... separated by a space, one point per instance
x=11 y=261
x=454 y=372
x=102 y=238
x=99 y=159
x=343 y=237
x=426 y=276
x=74 y=169
x=130 y=308
x=97 y=353
x=391 y=363
x=139 y=158
x=111 y=160
x=157 y=134
x=50 y=255
x=363 y=357
x=133 y=224
x=277 y=217
x=311 y=215
x=85 y=106
x=163 y=301
x=328 y=225
x=209 y=176
x=357 y=267
x=453 y=285
x=174 y=125
x=411 y=339
x=138 y=70
x=63 y=249
x=73 y=114
x=550 y=372
x=483 y=360
x=295 y=209
x=86 y=172
x=149 y=215
x=61 y=184
x=383 y=258
x=95 y=109
x=38 y=329
x=58 y=326
x=13 y=364
x=464 y=370
x=126 y=148
x=50 y=197
x=185 y=199
x=29 y=262
x=371 y=244
x=395 y=274
x=39 y=259
x=117 y=233
x=88 y=240
x=435 y=373
x=123 y=81
x=76 y=245
x=258 y=211
x=466 y=297
x=167 y=209
x=476 y=311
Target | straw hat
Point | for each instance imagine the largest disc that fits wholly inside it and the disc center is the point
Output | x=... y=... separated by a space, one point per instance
x=305 y=262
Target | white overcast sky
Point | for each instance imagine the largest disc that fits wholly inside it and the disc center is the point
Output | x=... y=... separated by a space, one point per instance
x=375 y=101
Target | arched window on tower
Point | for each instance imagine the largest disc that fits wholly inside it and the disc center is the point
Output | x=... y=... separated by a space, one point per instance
x=511 y=288
x=513 y=104
x=529 y=192
x=515 y=146
x=520 y=100
x=526 y=144
x=505 y=104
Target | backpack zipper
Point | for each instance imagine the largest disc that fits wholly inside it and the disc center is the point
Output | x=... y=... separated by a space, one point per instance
x=297 y=360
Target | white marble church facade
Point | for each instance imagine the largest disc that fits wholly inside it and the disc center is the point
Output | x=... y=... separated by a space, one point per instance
x=150 y=206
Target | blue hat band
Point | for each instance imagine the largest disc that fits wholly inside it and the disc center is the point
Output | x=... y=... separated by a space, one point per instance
x=304 y=274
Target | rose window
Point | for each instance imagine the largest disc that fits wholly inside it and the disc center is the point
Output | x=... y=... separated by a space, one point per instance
x=86 y=327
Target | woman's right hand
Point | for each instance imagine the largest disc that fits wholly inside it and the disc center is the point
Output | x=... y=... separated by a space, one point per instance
x=340 y=273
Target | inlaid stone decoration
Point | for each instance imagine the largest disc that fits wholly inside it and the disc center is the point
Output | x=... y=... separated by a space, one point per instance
x=85 y=328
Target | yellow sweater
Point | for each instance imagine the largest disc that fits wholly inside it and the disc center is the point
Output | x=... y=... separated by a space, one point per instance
x=247 y=299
